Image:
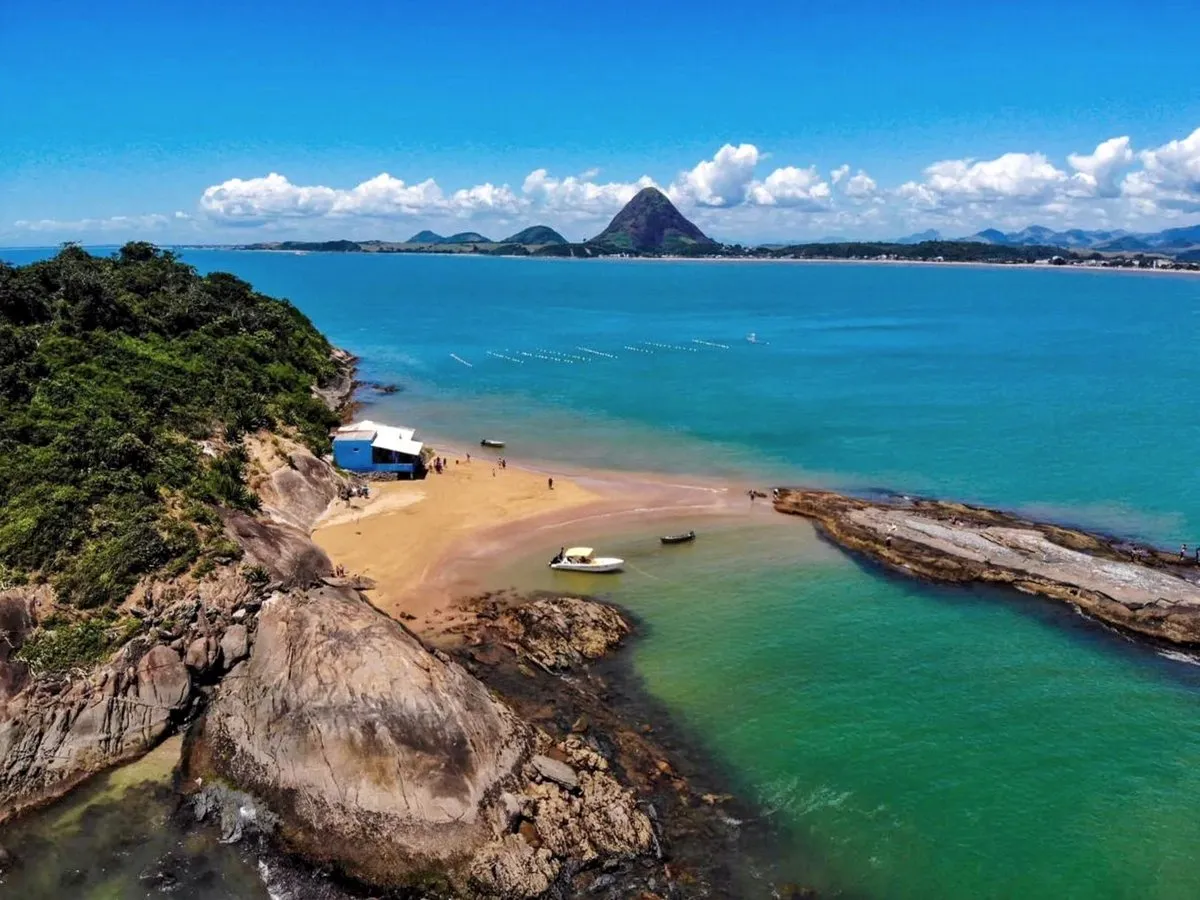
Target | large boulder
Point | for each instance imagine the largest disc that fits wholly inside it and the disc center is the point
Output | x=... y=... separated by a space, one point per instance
x=294 y=486
x=284 y=551
x=375 y=754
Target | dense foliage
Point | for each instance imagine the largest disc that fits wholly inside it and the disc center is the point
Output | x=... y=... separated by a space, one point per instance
x=112 y=371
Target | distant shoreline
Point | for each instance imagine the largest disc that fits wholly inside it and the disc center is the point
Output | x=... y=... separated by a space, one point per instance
x=707 y=259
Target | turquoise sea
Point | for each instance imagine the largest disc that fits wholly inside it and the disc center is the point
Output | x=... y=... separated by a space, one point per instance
x=909 y=741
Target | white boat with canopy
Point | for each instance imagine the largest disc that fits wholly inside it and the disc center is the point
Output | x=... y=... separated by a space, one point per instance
x=583 y=559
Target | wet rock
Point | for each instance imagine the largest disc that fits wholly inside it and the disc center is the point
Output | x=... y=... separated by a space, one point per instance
x=553 y=770
x=563 y=632
x=7 y=861
x=1141 y=590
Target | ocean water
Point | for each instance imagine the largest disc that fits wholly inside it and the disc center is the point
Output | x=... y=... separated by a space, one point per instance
x=909 y=741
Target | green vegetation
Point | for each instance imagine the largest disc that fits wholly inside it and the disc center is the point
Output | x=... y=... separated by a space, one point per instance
x=650 y=223
x=112 y=371
x=52 y=649
x=536 y=234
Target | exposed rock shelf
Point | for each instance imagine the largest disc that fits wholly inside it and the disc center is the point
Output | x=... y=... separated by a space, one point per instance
x=1132 y=586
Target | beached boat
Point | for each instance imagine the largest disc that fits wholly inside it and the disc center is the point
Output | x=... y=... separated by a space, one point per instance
x=678 y=538
x=488 y=442
x=583 y=559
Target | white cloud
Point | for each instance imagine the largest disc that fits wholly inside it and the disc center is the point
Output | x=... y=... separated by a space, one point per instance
x=839 y=173
x=723 y=180
x=384 y=196
x=1097 y=172
x=486 y=198
x=256 y=200
x=1027 y=178
x=1169 y=178
x=861 y=187
x=790 y=186
x=578 y=198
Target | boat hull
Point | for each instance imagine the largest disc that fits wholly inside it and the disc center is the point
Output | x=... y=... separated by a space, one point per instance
x=598 y=566
x=497 y=445
x=678 y=538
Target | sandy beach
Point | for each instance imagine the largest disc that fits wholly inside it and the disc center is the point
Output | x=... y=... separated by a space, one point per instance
x=425 y=543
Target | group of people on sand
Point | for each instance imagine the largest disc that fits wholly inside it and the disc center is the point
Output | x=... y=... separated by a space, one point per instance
x=1183 y=553
x=350 y=491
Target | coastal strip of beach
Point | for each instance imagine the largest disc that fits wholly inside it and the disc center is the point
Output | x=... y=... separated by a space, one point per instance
x=425 y=543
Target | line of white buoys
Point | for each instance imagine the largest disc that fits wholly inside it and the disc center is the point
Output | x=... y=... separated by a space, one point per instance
x=564 y=357
x=668 y=346
x=458 y=358
x=710 y=344
x=638 y=349
x=596 y=352
x=505 y=358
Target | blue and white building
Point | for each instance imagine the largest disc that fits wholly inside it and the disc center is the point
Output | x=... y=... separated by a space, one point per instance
x=368 y=446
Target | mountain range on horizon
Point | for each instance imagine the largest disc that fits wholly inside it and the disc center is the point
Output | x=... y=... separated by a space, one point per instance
x=1168 y=241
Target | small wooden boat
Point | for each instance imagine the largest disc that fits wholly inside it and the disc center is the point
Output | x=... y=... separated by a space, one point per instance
x=678 y=538
x=488 y=442
x=583 y=559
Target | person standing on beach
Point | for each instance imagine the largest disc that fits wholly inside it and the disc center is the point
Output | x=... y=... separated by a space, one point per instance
x=550 y=482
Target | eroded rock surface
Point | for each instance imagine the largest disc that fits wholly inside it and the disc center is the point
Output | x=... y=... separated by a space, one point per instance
x=1134 y=587
x=295 y=487
x=563 y=632
x=376 y=755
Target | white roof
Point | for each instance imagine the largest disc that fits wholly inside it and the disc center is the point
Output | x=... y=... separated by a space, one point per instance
x=387 y=437
x=579 y=551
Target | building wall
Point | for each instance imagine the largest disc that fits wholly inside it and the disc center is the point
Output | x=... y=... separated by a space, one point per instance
x=354 y=456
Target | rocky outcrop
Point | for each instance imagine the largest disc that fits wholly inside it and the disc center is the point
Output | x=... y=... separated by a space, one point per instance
x=377 y=756
x=563 y=632
x=611 y=812
x=294 y=486
x=284 y=551
x=59 y=729
x=18 y=616
x=337 y=390
x=390 y=762
x=1134 y=587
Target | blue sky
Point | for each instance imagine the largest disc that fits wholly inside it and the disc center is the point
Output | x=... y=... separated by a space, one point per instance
x=120 y=116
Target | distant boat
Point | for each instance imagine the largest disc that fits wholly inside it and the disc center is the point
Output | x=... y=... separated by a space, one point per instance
x=488 y=442
x=583 y=559
x=753 y=338
x=678 y=538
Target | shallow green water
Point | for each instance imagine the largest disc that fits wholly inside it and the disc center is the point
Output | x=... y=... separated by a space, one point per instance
x=119 y=837
x=918 y=743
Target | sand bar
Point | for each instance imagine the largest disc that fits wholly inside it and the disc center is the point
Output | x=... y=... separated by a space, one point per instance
x=427 y=542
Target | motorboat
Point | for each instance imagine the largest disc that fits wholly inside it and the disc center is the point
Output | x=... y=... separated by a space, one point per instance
x=678 y=538
x=489 y=442
x=584 y=559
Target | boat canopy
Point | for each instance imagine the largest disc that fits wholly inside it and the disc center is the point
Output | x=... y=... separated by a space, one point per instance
x=579 y=551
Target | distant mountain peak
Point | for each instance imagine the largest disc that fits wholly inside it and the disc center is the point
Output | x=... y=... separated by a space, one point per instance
x=536 y=234
x=650 y=223
x=426 y=237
